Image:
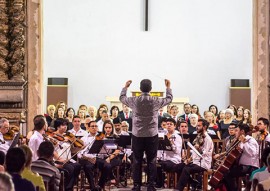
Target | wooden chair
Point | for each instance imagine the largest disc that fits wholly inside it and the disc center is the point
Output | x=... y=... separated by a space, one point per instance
x=172 y=179
x=62 y=182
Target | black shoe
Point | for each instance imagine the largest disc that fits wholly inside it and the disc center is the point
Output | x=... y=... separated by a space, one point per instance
x=195 y=184
x=136 y=188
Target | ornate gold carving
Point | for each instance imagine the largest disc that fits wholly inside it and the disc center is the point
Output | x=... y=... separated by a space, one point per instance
x=12 y=39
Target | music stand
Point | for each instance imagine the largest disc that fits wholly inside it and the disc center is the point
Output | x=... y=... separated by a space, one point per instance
x=192 y=137
x=109 y=143
x=164 y=144
x=15 y=141
x=124 y=141
x=96 y=147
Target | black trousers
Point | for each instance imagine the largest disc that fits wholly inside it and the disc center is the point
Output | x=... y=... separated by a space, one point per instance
x=73 y=170
x=103 y=166
x=149 y=145
x=235 y=172
x=185 y=175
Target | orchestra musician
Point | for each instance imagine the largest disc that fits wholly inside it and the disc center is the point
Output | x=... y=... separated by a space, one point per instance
x=62 y=154
x=103 y=161
x=86 y=159
x=263 y=137
x=4 y=127
x=40 y=125
x=249 y=160
x=171 y=160
x=204 y=144
x=229 y=141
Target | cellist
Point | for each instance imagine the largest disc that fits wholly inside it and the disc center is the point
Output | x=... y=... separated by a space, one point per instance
x=249 y=160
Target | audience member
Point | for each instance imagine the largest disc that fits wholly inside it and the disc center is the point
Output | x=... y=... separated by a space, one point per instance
x=15 y=162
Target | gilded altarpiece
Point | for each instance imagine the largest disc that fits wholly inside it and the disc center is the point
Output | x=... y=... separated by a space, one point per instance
x=13 y=81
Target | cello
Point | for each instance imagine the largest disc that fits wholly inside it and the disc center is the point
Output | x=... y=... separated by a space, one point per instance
x=231 y=156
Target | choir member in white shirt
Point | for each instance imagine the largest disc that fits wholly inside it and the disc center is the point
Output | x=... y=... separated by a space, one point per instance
x=77 y=130
x=249 y=160
x=204 y=144
x=40 y=125
x=117 y=127
x=4 y=127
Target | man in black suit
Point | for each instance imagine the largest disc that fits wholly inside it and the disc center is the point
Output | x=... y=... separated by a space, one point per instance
x=187 y=110
x=126 y=115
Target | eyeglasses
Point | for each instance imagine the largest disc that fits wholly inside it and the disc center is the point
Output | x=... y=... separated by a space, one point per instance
x=93 y=126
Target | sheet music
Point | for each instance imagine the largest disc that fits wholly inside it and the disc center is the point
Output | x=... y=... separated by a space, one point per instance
x=194 y=149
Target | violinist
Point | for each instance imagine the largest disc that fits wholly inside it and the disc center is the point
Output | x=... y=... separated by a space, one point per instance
x=263 y=137
x=4 y=127
x=171 y=160
x=87 y=160
x=248 y=161
x=62 y=154
x=204 y=144
x=40 y=125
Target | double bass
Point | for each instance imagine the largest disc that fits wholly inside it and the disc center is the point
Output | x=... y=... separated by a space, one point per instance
x=231 y=156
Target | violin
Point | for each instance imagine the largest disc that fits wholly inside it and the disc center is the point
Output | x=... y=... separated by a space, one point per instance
x=11 y=133
x=100 y=136
x=58 y=136
x=50 y=139
x=77 y=142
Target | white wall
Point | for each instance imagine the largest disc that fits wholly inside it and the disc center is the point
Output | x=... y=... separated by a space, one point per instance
x=99 y=44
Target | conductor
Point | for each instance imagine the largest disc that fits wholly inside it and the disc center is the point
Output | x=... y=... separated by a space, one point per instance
x=145 y=129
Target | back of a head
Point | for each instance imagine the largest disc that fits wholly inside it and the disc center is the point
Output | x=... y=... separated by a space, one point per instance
x=117 y=120
x=39 y=123
x=45 y=150
x=6 y=183
x=15 y=160
x=28 y=155
x=146 y=85
x=244 y=127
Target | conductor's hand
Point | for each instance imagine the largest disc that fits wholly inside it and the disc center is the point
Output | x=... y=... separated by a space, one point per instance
x=128 y=83
x=167 y=83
